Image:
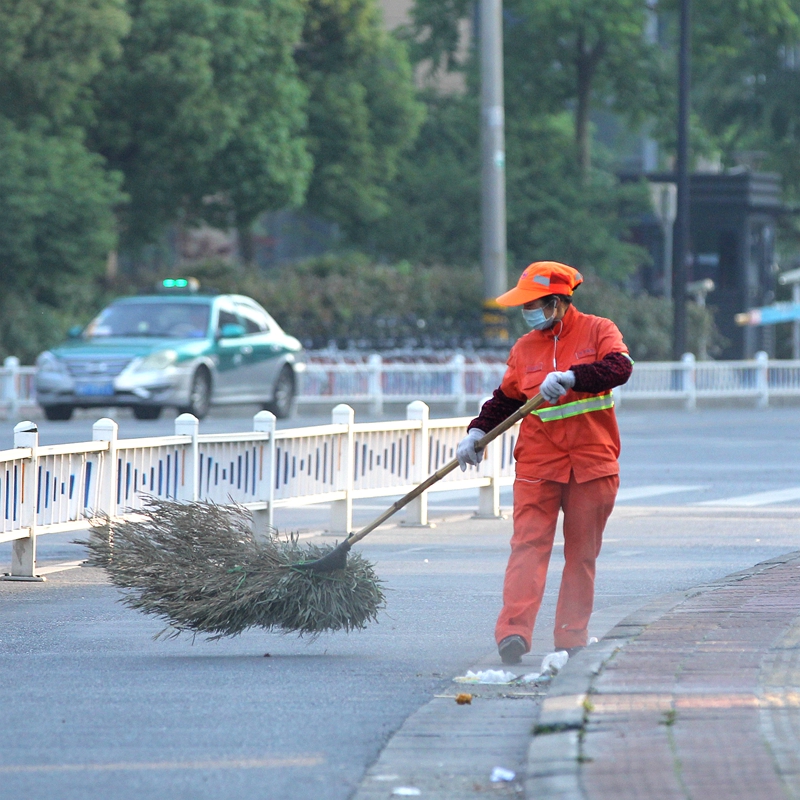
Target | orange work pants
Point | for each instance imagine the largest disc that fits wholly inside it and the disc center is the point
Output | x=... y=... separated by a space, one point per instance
x=587 y=507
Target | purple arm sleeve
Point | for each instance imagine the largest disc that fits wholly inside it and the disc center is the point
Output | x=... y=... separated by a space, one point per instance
x=494 y=411
x=600 y=376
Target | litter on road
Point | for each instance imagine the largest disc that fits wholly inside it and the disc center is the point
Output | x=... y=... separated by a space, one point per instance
x=501 y=774
x=487 y=676
x=554 y=662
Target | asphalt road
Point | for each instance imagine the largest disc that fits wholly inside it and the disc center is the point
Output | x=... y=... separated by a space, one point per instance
x=94 y=708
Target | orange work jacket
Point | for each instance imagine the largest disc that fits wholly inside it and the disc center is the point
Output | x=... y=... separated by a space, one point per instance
x=579 y=434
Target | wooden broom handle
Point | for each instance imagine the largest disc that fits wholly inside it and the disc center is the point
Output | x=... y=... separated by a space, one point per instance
x=531 y=405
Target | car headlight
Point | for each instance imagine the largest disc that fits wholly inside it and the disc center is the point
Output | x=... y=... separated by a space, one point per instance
x=47 y=362
x=157 y=361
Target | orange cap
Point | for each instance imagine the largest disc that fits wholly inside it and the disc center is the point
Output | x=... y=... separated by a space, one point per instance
x=539 y=280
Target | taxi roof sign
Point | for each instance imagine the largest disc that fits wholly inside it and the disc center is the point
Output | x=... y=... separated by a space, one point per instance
x=179 y=285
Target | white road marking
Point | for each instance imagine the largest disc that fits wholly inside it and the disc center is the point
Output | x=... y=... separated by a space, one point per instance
x=632 y=493
x=640 y=492
x=756 y=499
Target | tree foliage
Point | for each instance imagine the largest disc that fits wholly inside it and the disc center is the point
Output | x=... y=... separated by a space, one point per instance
x=435 y=201
x=362 y=109
x=204 y=103
x=746 y=85
x=57 y=198
x=50 y=50
x=56 y=207
x=559 y=53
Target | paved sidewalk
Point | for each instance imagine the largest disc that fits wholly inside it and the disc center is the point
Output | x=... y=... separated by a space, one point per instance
x=697 y=695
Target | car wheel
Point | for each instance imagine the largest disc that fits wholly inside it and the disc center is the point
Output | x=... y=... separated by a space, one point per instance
x=58 y=413
x=199 y=395
x=282 y=401
x=147 y=412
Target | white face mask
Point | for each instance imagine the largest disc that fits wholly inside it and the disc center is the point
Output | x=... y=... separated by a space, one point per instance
x=536 y=319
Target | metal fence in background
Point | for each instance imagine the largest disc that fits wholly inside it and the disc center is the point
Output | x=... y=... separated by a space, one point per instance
x=460 y=381
x=60 y=488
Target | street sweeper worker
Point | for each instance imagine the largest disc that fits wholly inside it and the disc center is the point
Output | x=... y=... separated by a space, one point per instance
x=566 y=454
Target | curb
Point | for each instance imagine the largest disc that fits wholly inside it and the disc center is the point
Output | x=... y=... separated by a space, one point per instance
x=554 y=754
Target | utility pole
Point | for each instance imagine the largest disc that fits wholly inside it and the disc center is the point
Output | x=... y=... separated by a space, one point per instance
x=680 y=249
x=493 y=170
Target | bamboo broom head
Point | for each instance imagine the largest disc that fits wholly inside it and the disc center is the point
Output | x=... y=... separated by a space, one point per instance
x=198 y=567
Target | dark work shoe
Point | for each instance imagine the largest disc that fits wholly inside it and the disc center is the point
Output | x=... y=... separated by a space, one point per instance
x=573 y=651
x=511 y=649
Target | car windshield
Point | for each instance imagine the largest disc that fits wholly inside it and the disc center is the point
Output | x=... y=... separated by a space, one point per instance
x=174 y=320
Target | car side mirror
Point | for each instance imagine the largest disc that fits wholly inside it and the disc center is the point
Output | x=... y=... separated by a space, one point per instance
x=231 y=330
x=74 y=332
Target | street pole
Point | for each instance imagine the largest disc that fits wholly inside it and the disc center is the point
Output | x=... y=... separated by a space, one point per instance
x=493 y=170
x=680 y=249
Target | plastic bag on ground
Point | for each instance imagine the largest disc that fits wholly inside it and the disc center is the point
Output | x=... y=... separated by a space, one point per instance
x=486 y=676
x=552 y=663
x=502 y=774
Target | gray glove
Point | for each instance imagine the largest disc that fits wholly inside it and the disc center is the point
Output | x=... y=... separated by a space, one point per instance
x=466 y=452
x=556 y=384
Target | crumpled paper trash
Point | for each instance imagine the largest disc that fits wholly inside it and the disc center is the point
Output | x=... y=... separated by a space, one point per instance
x=553 y=663
x=486 y=676
x=501 y=678
x=502 y=774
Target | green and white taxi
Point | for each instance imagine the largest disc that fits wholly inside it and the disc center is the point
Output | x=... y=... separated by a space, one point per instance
x=178 y=348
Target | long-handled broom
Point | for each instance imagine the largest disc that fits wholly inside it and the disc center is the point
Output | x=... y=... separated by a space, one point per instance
x=337 y=558
x=198 y=566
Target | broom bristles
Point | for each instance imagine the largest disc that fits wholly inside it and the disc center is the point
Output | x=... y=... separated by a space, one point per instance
x=199 y=567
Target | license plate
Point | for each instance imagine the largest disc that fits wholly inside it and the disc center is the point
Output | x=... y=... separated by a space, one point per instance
x=103 y=389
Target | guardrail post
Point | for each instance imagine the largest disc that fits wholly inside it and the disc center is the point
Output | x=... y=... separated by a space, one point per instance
x=11 y=385
x=762 y=378
x=189 y=425
x=460 y=382
x=342 y=510
x=489 y=496
x=106 y=430
x=417 y=509
x=689 y=366
x=375 y=383
x=263 y=519
x=23 y=551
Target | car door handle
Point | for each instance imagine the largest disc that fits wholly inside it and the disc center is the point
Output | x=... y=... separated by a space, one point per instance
x=246 y=350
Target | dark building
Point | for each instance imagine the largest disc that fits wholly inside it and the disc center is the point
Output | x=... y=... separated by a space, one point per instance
x=733 y=222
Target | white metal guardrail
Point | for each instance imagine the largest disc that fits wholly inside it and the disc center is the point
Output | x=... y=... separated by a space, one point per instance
x=61 y=488
x=461 y=382
x=375 y=380
x=17 y=390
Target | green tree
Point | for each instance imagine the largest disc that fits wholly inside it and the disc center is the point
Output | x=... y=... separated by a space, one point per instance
x=57 y=226
x=49 y=52
x=204 y=103
x=435 y=200
x=582 y=53
x=590 y=53
x=57 y=199
x=362 y=110
x=746 y=92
